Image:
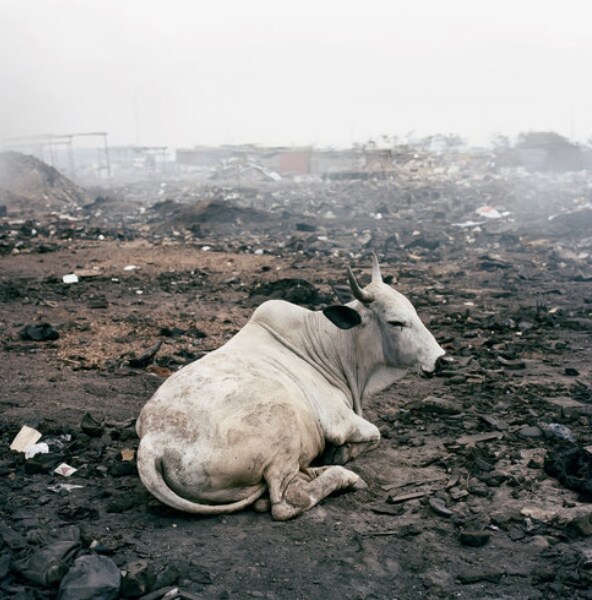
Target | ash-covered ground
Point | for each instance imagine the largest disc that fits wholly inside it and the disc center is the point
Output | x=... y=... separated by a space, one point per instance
x=482 y=484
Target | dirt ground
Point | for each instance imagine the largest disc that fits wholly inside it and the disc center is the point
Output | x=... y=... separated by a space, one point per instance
x=459 y=505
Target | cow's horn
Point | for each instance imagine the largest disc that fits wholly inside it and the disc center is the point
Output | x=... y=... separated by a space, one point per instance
x=376 y=276
x=357 y=291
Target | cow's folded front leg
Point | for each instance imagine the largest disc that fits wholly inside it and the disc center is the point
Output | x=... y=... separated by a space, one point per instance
x=311 y=486
x=340 y=455
x=348 y=439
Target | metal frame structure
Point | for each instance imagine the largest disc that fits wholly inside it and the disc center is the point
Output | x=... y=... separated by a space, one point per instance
x=46 y=146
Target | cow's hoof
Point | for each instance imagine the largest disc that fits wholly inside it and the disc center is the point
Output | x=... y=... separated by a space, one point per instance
x=360 y=484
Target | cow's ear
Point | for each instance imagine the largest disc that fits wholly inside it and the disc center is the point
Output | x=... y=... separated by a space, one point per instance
x=343 y=317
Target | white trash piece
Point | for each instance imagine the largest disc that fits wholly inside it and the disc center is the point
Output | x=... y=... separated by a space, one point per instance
x=70 y=278
x=65 y=470
x=25 y=438
x=488 y=212
x=39 y=448
x=67 y=487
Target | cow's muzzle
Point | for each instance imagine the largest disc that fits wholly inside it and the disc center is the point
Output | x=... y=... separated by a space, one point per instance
x=442 y=363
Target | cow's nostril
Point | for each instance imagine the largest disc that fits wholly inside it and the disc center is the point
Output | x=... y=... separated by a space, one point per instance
x=443 y=362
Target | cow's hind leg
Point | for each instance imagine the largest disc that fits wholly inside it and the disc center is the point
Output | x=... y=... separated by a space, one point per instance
x=309 y=487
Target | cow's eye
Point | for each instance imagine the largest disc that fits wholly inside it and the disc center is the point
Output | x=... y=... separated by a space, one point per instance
x=395 y=323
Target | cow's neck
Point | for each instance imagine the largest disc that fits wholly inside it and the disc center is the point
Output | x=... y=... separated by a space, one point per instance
x=334 y=353
x=358 y=365
x=358 y=371
x=380 y=379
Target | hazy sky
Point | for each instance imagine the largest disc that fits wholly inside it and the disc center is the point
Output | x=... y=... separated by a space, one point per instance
x=327 y=72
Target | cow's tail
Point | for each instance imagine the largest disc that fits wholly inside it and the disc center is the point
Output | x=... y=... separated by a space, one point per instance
x=150 y=470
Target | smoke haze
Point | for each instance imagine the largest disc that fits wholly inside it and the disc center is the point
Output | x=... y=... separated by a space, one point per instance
x=297 y=72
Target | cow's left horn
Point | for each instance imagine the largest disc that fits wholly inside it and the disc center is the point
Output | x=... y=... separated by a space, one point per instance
x=376 y=276
x=357 y=291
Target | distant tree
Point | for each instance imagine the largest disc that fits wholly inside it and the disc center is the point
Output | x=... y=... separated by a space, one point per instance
x=536 y=139
x=556 y=152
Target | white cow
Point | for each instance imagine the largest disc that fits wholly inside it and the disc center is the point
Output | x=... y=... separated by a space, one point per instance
x=287 y=389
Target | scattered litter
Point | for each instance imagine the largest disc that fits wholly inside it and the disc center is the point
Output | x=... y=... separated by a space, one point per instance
x=488 y=212
x=467 y=224
x=65 y=470
x=146 y=358
x=573 y=468
x=70 y=278
x=130 y=268
x=405 y=497
x=47 y=565
x=39 y=448
x=91 y=576
x=91 y=426
x=471 y=440
x=128 y=454
x=413 y=482
x=560 y=431
x=25 y=438
x=65 y=487
x=58 y=443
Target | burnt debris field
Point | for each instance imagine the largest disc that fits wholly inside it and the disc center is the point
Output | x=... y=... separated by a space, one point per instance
x=482 y=483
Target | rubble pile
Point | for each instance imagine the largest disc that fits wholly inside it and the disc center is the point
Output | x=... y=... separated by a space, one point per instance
x=29 y=186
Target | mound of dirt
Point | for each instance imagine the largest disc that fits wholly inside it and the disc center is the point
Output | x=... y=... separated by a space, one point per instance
x=213 y=214
x=218 y=212
x=28 y=186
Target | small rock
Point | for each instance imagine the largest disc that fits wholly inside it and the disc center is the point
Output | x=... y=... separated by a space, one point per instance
x=138 y=579
x=4 y=564
x=494 y=422
x=200 y=574
x=476 y=539
x=469 y=576
x=436 y=405
x=530 y=431
x=120 y=504
x=98 y=302
x=477 y=487
x=539 y=542
x=457 y=493
x=511 y=364
x=582 y=525
x=91 y=426
x=438 y=506
x=516 y=534
x=41 y=332
x=436 y=579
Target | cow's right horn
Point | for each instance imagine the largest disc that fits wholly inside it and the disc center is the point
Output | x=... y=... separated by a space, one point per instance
x=376 y=276
x=357 y=291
